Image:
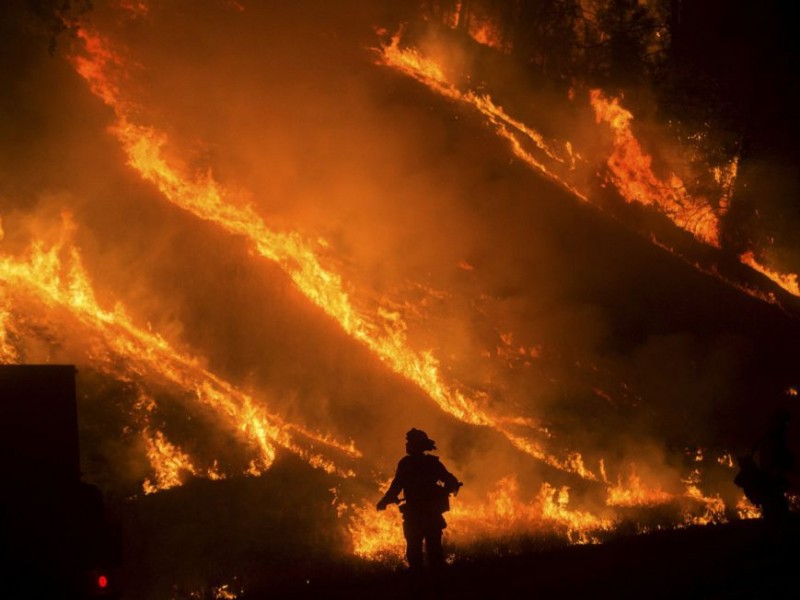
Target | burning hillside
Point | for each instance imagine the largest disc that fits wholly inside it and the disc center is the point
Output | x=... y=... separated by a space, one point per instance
x=277 y=238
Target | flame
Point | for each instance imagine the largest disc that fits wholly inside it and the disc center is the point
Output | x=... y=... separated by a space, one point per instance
x=54 y=283
x=726 y=460
x=713 y=508
x=430 y=73
x=503 y=513
x=634 y=493
x=375 y=535
x=383 y=332
x=746 y=509
x=788 y=282
x=630 y=168
x=486 y=33
x=631 y=172
x=8 y=353
x=168 y=461
x=203 y=197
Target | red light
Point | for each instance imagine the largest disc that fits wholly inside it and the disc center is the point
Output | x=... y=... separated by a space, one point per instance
x=102 y=582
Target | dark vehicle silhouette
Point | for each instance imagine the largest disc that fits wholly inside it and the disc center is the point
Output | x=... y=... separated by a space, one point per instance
x=55 y=541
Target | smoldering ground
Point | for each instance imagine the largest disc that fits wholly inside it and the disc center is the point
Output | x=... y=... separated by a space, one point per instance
x=534 y=304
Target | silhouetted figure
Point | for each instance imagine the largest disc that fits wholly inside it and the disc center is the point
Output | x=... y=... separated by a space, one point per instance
x=764 y=473
x=426 y=486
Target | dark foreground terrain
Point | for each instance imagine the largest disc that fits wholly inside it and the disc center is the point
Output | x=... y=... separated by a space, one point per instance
x=741 y=560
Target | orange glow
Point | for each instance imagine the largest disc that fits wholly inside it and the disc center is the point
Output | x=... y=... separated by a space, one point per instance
x=8 y=354
x=502 y=513
x=747 y=510
x=630 y=168
x=168 y=461
x=631 y=172
x=518 y=134
x=200 y=195
x=376 y=535
x=485 y=32
x=56 y=278
x=137 y=8
x=713 y=508
x=632 y=492
x=788 y=282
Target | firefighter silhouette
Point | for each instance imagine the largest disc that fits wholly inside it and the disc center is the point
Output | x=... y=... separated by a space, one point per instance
x=426 y=486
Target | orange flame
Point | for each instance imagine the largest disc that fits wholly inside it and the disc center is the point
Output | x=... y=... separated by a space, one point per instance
x=746 y=509
x=788 y=282
x=203 y=197
x=629 y=166
x=634 y=493
x=631 y=172
x=503 y=513
x=8 y=353
x=168 y=461
x=485 y=33
x=428 y=72
x=55 y=284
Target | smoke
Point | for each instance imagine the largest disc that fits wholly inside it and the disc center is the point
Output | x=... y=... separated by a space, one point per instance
x=535 y=305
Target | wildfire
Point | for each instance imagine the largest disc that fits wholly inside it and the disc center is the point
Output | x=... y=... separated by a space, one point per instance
x=203 y=197
x=8 y=353
x=503 y=513
x=788 y=282
x=430 y=73
x=375 y=535
x=630 y=167
x=56 y=278
x=747 y=510
x=632 y=174
x=713 y=508
x=485 y=32
x=168 y=461
x=65 y=284
x=633 y=492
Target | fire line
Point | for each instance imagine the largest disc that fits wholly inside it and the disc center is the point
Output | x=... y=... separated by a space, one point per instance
x=67 y=285
x=204 y=198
